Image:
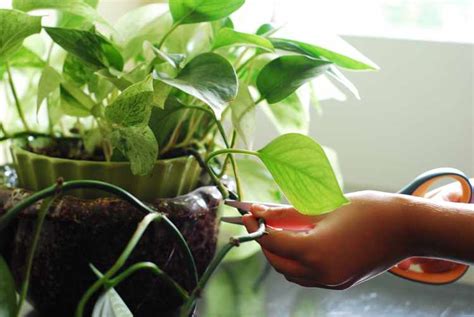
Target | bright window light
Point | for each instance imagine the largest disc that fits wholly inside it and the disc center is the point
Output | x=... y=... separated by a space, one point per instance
x=432 y=20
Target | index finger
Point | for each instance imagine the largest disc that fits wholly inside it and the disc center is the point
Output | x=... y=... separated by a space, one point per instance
x=284 y=243
x=285 y=218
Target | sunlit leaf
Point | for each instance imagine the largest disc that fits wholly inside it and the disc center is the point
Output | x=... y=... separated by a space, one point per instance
x=76 y=7
x=302 y=171
x=362 y=63
x=228 y=37
x=15 y=27
x=194 y=11
x=133 y=106
x=138 y=144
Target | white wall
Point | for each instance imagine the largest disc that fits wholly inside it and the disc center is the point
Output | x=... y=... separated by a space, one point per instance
x=416 y=113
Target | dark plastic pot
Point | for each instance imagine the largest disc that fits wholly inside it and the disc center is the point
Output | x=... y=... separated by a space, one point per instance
x=79 y=232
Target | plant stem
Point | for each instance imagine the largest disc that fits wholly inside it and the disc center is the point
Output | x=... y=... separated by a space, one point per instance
x=45 y=206
x=150 y=266
x=216 y=261
x=167 y=34
x=226 y=151
x=142 y=226
x=226 y=161
x=15 y=96
x=259 y=100
x=232 y=159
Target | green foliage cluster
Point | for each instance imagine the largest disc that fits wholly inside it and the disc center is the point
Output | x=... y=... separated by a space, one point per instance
x=165 y=79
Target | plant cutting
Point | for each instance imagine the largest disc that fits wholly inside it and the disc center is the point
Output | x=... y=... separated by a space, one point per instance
x=157 y=110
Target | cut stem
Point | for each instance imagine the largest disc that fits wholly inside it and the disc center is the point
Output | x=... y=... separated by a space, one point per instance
x=19 y=109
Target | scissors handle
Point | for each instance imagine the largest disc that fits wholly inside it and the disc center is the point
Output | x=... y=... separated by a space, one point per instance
x=430 y=271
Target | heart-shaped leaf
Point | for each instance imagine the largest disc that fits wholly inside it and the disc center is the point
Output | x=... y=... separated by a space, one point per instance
x=284 y=75
x=194 y=11
x=133 y=106
x=210 y=78
x=228 y=37
x=15 y=26
x=77 y=7
x=302 y=171
x=8 y=305
x=48 y=83
x=138 y=144
x=318 y=52
x=90 y=47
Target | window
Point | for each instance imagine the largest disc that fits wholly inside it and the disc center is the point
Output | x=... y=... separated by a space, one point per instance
x=437 y=20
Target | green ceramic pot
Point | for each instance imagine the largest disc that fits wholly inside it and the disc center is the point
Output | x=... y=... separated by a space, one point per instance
x=169 y=178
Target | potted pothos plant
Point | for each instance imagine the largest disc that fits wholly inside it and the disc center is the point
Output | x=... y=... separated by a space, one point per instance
x=157 y=109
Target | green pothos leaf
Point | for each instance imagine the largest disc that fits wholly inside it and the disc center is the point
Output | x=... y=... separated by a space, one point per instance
x=352 y=60
x=110 y=304
x=77 y=7
x=284 y=75
x=194 y=11
x=138 y=144
x=210 y=78
x=90 y=47
x=133 y=106
x=229 y=37
x=8 y=305
x=15 y=26
x=302 y=171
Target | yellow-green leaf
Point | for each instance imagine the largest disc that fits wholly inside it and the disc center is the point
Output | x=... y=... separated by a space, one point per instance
x=301 y=169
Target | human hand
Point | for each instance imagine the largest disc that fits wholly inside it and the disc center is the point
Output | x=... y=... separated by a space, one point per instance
x=346 y=247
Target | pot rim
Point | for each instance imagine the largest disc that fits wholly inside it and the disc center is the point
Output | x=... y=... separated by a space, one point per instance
x=19 y=149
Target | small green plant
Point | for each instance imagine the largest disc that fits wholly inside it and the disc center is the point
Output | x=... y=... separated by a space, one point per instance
x=160 y=83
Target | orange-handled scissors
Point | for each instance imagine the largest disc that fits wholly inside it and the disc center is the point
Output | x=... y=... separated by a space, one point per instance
x=423 y=270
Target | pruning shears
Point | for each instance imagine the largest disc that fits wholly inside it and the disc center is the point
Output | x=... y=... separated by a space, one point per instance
x=423 y=270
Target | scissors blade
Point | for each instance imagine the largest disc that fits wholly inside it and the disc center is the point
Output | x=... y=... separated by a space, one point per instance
x=233 y=220
x=246 y=205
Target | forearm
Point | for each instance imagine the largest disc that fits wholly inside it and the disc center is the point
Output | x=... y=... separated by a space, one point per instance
x=439 y=229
